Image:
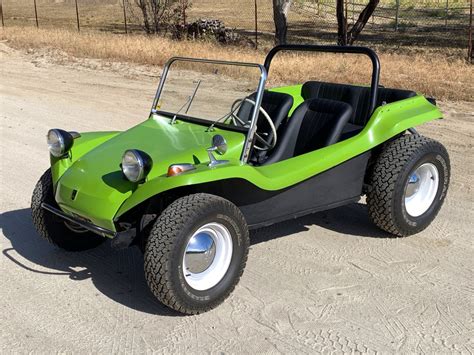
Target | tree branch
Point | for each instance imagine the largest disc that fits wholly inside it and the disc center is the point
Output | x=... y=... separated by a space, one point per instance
x=361 y=21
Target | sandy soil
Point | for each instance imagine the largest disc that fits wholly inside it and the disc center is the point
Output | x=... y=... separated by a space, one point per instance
x=326 y=282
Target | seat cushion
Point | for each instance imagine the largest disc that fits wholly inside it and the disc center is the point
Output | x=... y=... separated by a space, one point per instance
x=350 y=130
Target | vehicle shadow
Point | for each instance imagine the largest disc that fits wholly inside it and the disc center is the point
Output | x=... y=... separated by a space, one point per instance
x=351 y=220
x=118 y=274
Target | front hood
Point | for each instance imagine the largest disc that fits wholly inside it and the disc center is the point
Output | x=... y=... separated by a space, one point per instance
x=94 y=187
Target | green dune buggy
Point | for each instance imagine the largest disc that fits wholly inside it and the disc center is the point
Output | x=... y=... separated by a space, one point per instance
x=188 y=183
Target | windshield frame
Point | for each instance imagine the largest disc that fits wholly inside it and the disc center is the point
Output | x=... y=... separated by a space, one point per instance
x=258 y=99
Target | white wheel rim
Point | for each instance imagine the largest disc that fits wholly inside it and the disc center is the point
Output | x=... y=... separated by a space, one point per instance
x=421 y=189
x=207 y=256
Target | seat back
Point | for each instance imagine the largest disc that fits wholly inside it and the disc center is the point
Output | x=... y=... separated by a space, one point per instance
x=349 y=94
x=356 y=96
x=315 y=124
x=276 y=104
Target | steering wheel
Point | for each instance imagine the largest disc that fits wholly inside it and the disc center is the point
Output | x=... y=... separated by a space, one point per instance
x=271 y=140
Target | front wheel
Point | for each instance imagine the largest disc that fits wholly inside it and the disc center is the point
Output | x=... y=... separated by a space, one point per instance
x=408 y=184
x=196 y=253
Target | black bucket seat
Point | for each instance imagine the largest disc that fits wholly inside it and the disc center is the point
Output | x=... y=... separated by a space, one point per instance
x=315 y=124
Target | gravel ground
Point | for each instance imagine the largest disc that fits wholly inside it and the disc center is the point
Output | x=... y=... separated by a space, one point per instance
x=329 y=282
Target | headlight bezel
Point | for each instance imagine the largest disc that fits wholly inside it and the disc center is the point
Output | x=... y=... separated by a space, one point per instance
x=140 y=160
x=62 y=145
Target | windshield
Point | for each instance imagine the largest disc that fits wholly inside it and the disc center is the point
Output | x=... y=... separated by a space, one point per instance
x=212 y=91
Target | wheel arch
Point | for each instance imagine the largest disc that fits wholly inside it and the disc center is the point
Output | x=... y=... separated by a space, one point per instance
x=235 y=190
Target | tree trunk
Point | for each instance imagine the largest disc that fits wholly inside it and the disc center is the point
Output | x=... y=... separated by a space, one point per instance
x=341 y=24
x=280 y=18
x=346 y=36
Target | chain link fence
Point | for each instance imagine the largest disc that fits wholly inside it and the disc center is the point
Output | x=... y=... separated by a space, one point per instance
x=441 y=24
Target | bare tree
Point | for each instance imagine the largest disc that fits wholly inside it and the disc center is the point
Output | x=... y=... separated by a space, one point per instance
x=346 y=36
x=160 y=15
x=155 y=13
x=181 y=9
x=280 y=18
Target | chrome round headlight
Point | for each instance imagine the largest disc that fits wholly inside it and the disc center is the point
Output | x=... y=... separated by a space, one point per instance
x=59 y=142
x=136 y=165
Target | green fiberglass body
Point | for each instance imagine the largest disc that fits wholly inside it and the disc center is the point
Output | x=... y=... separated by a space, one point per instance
x=186 y=188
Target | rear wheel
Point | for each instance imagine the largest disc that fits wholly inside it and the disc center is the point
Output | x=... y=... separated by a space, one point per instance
x=63 y=234
x=196 y=253
x=408 y=184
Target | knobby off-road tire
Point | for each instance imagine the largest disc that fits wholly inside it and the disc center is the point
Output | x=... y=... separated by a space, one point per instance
x=52 y=227
x=389 y=179
x=168 y=240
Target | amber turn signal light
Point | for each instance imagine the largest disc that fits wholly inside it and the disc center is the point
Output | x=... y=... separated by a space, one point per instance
x=177 y=169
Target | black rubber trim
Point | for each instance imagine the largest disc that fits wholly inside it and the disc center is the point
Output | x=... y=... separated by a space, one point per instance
x=203 y=122
x=432 y=100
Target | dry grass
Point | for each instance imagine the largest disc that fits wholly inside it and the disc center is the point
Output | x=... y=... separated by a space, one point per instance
x=431 y=75
x=429 y=33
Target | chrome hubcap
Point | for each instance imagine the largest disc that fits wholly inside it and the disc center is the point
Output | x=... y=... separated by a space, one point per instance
x=200 y=252
x=421 y=189
x=207 y=256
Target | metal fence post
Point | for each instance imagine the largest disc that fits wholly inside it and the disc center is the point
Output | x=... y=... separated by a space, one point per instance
x=1 y=12
x=36 y=14
x=397 y=14
x=469 y=48
x=256 y=25
x=125 y=16
x=77 y=18
x=345 y=9
x=446 y=15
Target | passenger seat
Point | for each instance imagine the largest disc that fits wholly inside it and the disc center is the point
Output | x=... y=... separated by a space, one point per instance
x=356 y=96
x=315 y=124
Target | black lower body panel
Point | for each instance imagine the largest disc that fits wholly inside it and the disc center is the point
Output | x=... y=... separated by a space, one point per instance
x=335 y=187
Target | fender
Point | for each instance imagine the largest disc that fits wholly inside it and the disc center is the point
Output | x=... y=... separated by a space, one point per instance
x=386 y=122
x=83 y=144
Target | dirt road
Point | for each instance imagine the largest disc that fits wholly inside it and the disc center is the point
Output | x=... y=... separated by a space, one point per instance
x=326 y=282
